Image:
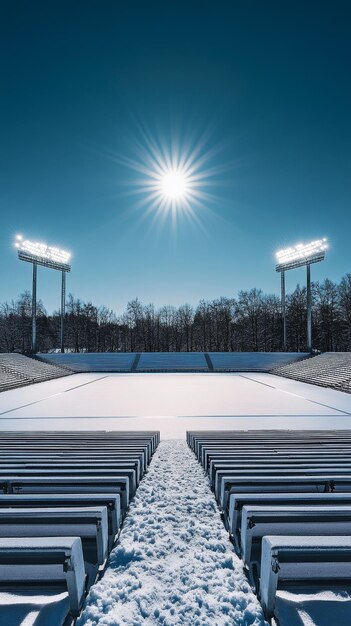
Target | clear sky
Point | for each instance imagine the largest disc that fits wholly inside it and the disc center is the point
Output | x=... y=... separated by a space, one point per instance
x=261 y=89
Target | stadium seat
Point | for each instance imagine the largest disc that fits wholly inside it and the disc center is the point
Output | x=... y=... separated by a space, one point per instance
x=88 y=523
x=238 y=500
x=315 y=562
x=330 y=369
x=44 y=561
x=267 y=482
x=258 y=521
x=284 y=483
x=112 y=502
x=74 y=484
x=17 y=370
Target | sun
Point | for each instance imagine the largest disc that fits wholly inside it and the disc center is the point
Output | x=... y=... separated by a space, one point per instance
x=175 y=176
x=174 y=184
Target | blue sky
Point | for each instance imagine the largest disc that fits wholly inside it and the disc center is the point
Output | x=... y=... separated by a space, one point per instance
x=263 y=87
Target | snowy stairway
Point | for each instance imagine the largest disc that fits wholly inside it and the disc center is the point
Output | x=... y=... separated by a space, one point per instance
x=174 y=563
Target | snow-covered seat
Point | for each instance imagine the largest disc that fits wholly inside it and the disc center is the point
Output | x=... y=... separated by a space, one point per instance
x=197 y=440
x=73 y=473
x=287 y=453
x=282 y=439
x=112 y=451
x=130 y=467
x=267 y=481
x=258 y=521
x=88 y=523
x=112 y=502
x=44 y=441
x=238 y=500
x=70 y=484
x=43 y=459
x=314 y=562
x=104 y=437
x=280 y=468
x=44 y=561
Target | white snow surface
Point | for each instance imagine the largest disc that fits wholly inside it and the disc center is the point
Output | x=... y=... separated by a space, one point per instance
x=173 y=403
x=173 y=563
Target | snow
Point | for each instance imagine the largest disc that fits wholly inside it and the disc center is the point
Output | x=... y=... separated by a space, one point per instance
x=174 y=563
x=173 y=403
x=30 y=608
x=323 y=607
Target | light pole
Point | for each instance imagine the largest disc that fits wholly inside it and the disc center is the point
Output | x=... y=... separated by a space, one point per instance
x=34 y=308
x=282 y=282
x=309 y=308
x=63 y=306
x=53 y=258
x=299 y=256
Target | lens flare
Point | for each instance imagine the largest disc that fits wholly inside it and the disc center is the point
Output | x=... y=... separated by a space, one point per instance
x=173 y=177
x=174 y=184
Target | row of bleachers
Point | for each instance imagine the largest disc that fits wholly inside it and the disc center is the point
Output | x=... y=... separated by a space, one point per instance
x=330 y=369
x=285 y=497
x=92 y=361
x=11 y=380
x=252 y=361
x=173 y=361
x=63 y=497
x=17 y=370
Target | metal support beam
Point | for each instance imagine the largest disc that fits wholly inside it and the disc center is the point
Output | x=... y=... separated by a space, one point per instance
x=63 y=309
x=282 y=279
x=34 y=309
x=309 y=310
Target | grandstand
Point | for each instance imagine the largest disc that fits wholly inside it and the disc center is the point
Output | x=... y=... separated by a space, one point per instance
x=173 y=361
x=330 y=369
x=58 y=526
x=285 y=499
x=17 y=370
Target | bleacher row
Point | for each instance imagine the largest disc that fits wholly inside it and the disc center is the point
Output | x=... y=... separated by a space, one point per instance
x=172 y=361
x=285 y=497
x=330 y=369
x=17 y=370
x=63 y=497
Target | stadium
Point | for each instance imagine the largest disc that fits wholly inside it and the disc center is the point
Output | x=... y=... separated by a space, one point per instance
x=190 y=473
x=175 y=315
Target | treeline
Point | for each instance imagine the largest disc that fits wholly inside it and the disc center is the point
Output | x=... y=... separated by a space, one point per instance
x=250 y=322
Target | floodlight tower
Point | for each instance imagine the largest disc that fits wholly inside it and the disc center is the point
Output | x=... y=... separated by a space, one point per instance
x=48 y=256
x=299 y=256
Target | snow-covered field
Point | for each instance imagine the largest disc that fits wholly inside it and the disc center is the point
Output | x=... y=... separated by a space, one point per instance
x=173 y=403
x=174 y=563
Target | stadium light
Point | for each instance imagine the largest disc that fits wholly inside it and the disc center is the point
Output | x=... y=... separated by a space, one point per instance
x=301 y=254
x=298 y=256
x=38 y=253
x=42 y=254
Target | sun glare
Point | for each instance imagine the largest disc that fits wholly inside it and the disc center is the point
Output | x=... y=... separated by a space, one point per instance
x=174 y=184
x=174 y=177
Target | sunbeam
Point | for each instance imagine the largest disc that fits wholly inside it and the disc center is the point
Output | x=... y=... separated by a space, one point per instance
x=174 y=178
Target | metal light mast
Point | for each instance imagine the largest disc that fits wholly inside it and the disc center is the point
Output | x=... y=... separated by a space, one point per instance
x=299 y=256
x=48 y=256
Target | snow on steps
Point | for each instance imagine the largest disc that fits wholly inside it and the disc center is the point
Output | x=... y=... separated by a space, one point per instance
x=174 y=563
